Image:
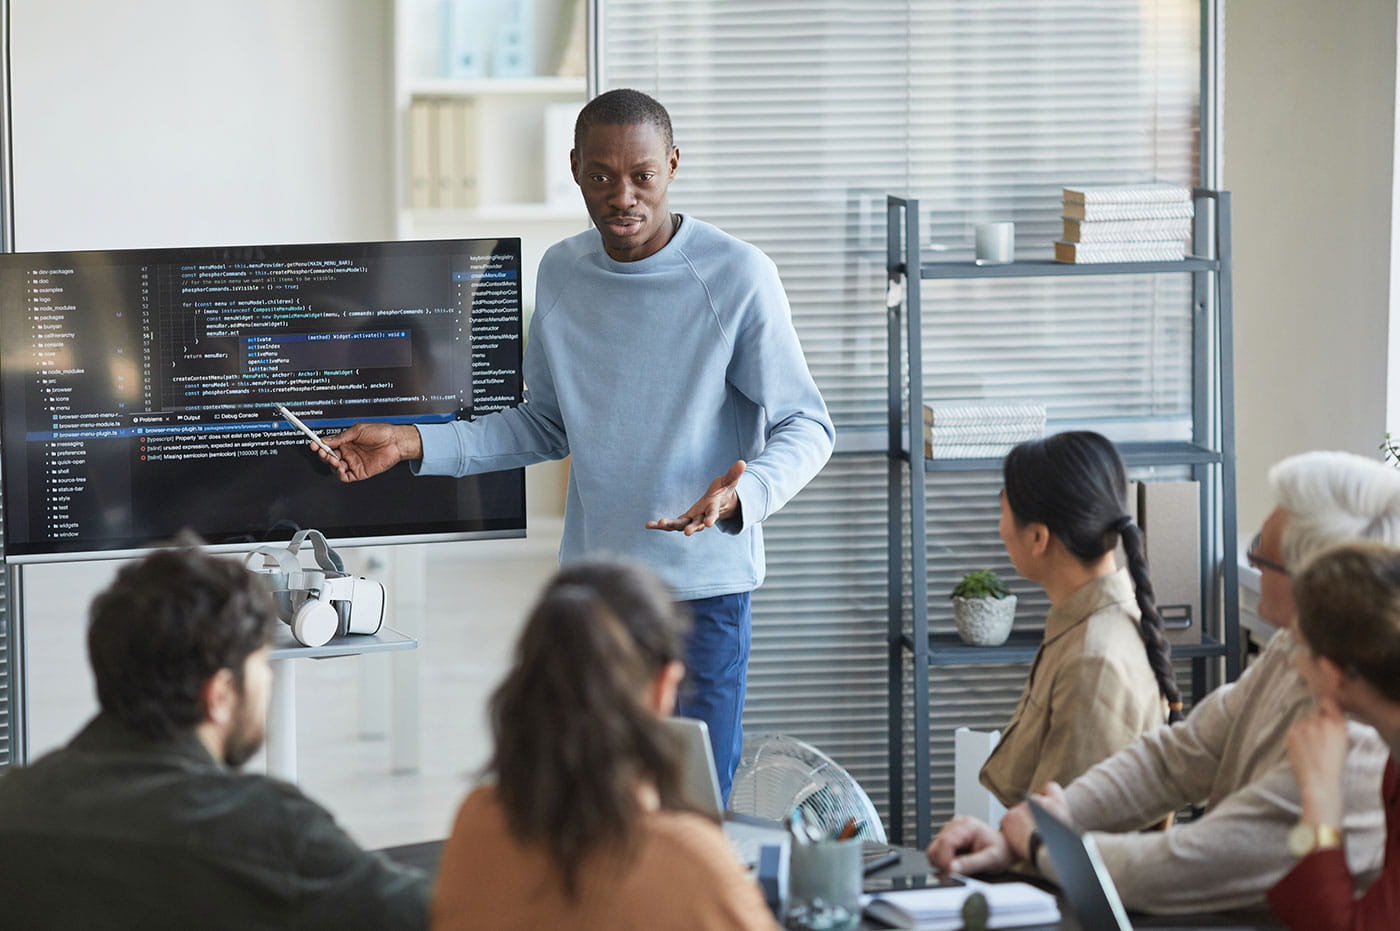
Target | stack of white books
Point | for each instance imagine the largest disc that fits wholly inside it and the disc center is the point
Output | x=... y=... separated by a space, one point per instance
x=1126 y=223
x=978 y=430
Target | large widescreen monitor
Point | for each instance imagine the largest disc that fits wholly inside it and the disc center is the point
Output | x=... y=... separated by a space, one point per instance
x=137 y=391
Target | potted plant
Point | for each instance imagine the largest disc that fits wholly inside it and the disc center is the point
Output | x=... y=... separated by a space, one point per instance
x=983 y=609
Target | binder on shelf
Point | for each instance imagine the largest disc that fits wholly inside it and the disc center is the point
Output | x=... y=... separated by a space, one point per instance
x=560 y=190
x=463 y=52
x=464 y=186
x=573 y=55
x=422 y=153
x=514 y=52
x=449 y=167
x=1170 y=516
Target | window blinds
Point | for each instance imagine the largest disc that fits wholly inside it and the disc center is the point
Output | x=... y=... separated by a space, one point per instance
x=794 y=119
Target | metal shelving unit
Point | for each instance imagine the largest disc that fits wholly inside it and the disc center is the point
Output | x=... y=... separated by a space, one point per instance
x=1210 y=456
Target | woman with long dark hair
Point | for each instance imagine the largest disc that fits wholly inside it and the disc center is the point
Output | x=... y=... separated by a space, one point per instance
x=1103 y=673
x=578 y=824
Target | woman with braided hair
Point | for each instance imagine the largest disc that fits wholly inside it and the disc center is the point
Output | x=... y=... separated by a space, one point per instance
x=1103 y=673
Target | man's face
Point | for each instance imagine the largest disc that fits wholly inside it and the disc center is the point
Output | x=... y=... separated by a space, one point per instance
x=250 y=719
x=1275 y=587
x=624 y=173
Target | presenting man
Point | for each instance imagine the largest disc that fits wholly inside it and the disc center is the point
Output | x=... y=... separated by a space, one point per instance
x=663 y=358
x=143 y=822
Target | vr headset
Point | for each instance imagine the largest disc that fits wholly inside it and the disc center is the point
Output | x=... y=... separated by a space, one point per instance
x=318 y=603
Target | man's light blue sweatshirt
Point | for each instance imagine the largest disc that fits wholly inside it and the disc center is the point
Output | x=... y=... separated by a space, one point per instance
x=656 y=375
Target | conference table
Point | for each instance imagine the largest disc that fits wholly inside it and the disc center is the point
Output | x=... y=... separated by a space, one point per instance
x=912 y=867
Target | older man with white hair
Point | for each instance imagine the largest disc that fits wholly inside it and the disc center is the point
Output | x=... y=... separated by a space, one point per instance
x=1229 y=753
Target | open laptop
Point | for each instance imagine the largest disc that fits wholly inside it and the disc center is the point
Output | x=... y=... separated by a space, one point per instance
x=1084 y=880
x=747 y=834
x=700 y=788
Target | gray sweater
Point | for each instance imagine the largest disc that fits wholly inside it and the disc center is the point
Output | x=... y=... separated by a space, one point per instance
x=1229 y=755
x=656 y=375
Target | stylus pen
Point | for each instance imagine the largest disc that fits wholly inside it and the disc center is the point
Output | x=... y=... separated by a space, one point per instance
x=296 y=422
x=880 y=862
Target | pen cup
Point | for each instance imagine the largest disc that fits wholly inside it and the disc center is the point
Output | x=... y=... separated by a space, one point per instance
x=824 y=886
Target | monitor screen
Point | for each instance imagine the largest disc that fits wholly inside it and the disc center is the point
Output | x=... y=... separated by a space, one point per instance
x=137 y=391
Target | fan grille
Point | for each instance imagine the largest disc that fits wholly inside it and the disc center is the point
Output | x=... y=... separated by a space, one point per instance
x=778 y=773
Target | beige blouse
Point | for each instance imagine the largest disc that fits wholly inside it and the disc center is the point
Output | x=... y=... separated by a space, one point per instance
x=1090 y=693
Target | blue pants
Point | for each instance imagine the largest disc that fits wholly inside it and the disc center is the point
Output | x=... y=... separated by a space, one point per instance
x=716 y=673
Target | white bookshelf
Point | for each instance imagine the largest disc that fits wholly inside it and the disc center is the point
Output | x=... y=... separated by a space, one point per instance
x=509 y=153
x=547 y=86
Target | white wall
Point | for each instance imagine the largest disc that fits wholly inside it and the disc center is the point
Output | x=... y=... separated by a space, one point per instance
x=171 y=123
x=1309 y=139
x=152 y=123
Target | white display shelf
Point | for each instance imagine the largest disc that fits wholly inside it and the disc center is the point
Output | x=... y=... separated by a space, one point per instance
x=546 y=86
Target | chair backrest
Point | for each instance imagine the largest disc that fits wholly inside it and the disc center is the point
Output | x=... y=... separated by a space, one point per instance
x=970 y=750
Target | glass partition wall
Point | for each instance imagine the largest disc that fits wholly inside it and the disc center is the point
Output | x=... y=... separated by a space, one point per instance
x=794 y=119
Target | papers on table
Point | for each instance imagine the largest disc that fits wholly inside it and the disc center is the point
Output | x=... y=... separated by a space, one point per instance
x=1011 y=905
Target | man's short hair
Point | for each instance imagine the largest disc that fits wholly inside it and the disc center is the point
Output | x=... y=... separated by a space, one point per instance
x=165 y=626
x=1334 y=497
x=623 y=107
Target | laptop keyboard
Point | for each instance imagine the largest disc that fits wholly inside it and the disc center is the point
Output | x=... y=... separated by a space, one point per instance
x=747 y=840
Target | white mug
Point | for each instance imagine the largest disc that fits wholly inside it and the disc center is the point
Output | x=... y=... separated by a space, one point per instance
x=996 y=243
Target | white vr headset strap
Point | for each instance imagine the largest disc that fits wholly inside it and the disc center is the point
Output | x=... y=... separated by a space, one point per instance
x=326 y=557
x=286 y=563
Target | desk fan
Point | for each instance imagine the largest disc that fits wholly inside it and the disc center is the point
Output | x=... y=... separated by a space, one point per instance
x=778 y=773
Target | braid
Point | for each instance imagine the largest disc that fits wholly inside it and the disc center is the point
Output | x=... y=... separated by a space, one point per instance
x=1158 y=650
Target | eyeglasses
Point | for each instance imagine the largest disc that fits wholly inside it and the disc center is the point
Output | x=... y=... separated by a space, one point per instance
x=1259 y=562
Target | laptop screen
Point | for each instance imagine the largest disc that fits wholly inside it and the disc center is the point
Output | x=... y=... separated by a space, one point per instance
x=1083 y=878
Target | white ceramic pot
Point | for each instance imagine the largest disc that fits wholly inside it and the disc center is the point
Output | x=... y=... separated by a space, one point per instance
x=984 y=622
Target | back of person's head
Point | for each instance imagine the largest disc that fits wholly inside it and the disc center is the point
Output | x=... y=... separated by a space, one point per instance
x=1348 y=600
x=1074 y=484
x=574 y=738
x=623 y=107
x=1334 y=497
x=167 y=624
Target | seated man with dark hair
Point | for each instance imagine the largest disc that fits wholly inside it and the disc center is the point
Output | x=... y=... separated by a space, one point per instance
x=143 y=821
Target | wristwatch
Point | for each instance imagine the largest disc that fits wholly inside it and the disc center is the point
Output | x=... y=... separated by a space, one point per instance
x=1305 y=838
x=1033 y=848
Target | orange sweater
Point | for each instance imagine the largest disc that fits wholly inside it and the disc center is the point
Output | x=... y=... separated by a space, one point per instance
x=685 y=877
